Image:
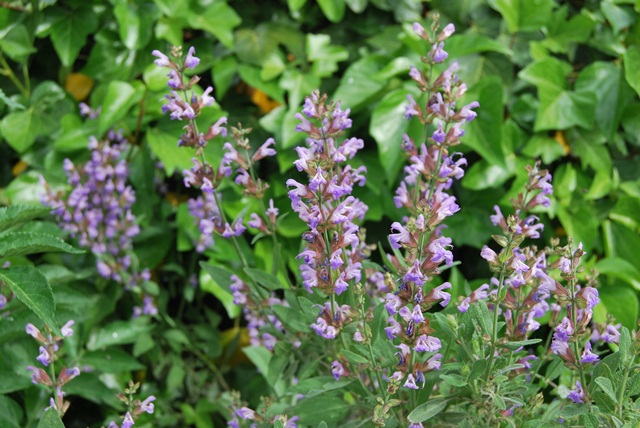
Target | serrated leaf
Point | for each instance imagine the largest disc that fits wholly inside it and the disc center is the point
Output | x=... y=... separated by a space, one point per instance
x=606 y=386
x=427 y=410
x=120 y=96
x=23 y=243
x=31 y=287
x=50 y=419
x=15 y=215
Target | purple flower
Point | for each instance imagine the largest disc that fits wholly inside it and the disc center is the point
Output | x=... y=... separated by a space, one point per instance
x=438 y=54
x=163 y=60
x=191 y=61
x=394 y=329
x=128 y=421
x=588 y=356
x=246 y=413
x=610 y=335
x=420 y=31
x=337 y=370
x=411 y=382
x=427 y=344
x=66 y=329
x=564 y=330
x=401 y=237
x=577 y=394
x=589 y=296
x=392 y=303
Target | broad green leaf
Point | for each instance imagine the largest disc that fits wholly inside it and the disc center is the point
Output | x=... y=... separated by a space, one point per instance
x=118 y=333
x=324 y=55
x=263 y=278
x=32 y=288
x=332 y=9
x=69 y=33
x=579 y=221
x=565 y=109
x=357 y=6
x=483 y=174
x=224 y=71
x=562 y=33
x=10 y=413
x=21 y=128
x=295 y=5
x=625 y=347
x=165 y=146
x=604 y=79
x=548 y=74
x=621 y=301
x=544 y=147
x=359 y=85
x=112 y=360
x=119 y=98
x=387 y=126
x=135 y=22
x=454 y=380
x=427 y=410
x=75 y=134
x=592 y=150
x=631 y=67
x=621 y=269
x=619 y=17
x=466 y=44
x=255 y=45
x=15 y=215
x=17 y=44
x=50 y=419
x=251 y=76
x=354 y=358
x=217 y=281
x=331 y=410
x=218 y=19
x=484 y=133
x=24 y=243
x=626 y=211
x=524 y=15
x=291 y=318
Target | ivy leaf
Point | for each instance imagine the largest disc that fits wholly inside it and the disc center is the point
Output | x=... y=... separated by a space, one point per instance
x=17 y=44
x=218 y=19
x=332 y=9
x=324 y=55
x=524 y=15
x=21 y=129
x=118 y=100
x=631 y=67
x=69 y=33
x=31 y=287
x=359 y=84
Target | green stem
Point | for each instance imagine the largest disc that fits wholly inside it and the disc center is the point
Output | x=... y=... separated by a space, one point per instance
x=7 y=71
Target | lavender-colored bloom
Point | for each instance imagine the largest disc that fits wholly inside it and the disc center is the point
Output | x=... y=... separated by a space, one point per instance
x=438 y=293
x=414 y=274
x=439 y=249
x=128 y=421
x=401 y=237
x=265 y=150
x=66 y=329
x=33 y=331
x=590 y=296
x=44 y=357
x=246 y=413
x=191 y=61
x=489 y=255
x=163 y=60
x=410 y=382
x=438 y=54
x=427 y=344
x=337 y=370
x=394 y=329
x=564 y=330
x=39 y=376
x=420 y=31
x=392 y=303
x=610 y=335
x=588 y=356
x=577 y=394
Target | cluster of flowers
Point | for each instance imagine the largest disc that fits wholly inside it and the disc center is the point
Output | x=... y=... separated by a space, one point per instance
x=333 y=246
x=206 y=208
x=423 y=192
x=49 y=346
x=98 y=210
x=256 y=316
x=258 y=416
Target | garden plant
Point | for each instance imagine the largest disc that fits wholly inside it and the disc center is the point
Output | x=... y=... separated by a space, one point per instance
x=330 y=213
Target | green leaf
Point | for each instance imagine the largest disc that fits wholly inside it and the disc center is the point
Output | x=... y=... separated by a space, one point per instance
x=354 y=358
x=625 y=211
x=135 y=22
x=561 y=34
x=218 y=282
x=466 y=44
x=484 y=133
x=165 y=146
x=69 y=33
x=112 y=360
x=454 y=380
x=631 y=66
x=524 y=15
x=263 y=278
x=291 y=318
x=482 y=316
x=32 y=288
x=324 y=55
x=606 y=385
x=359 y=84
x=10 y=413
x=24 y=243
x=75 y=134
x=15 y=215
x=604 y=79
x=548 y=74
x=21 y=129
x=218 y=19
x=579 y=221
x=427 y=410
x=387 y=126
x=50 y=419
x=313 y=411
x=118 y=333
x=621 y=301
x=572 y=410
x=17 y=44
x=515 y=345
x=619 y=17
x=621 y=269
x=119 y=98
x=625 y=347
x=564 y=110
x=332 y=9
x=278 y=424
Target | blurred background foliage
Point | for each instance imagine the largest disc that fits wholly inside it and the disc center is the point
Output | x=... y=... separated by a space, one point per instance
x=556 y=80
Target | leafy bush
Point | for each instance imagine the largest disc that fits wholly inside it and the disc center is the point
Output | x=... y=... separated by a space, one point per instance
x=191 y=282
